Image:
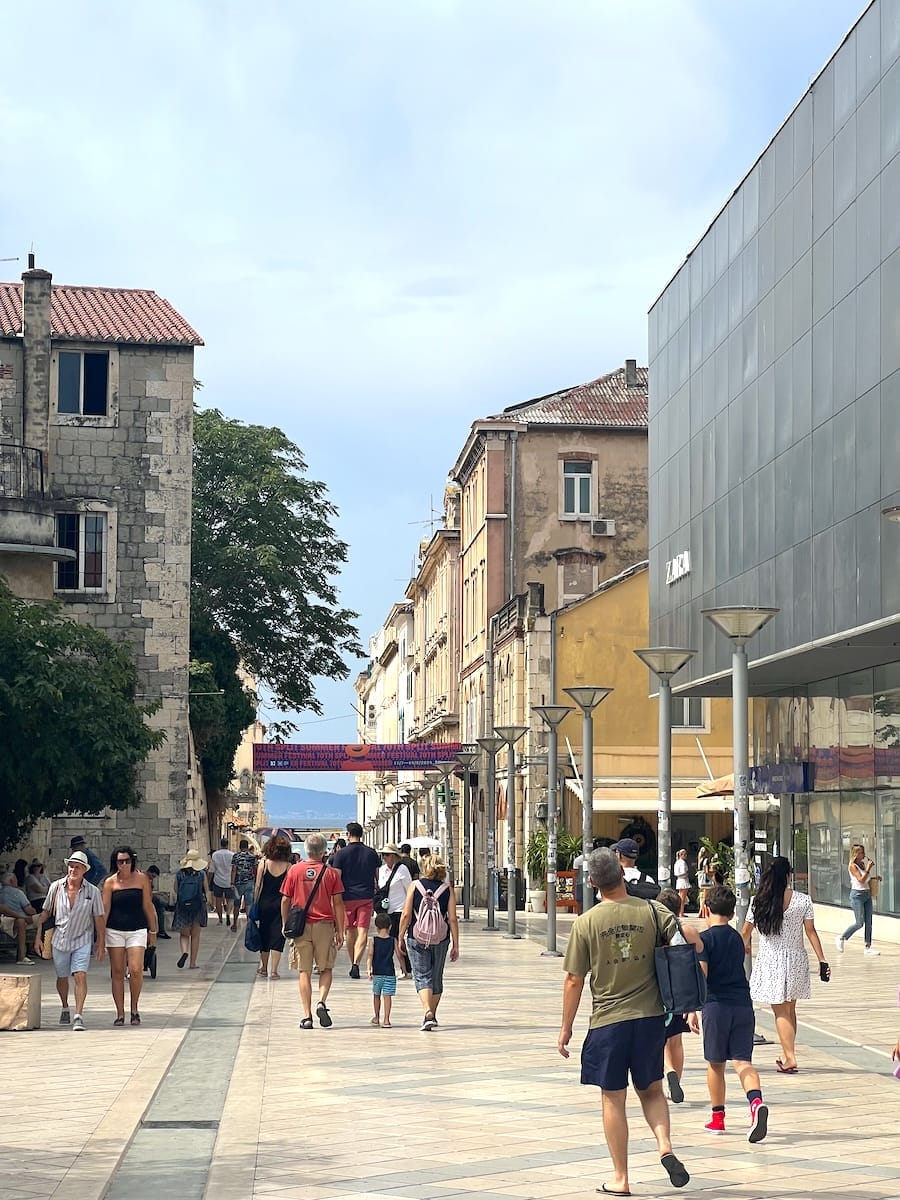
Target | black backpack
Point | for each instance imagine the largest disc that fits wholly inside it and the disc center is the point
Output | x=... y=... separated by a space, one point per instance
x=643 y=888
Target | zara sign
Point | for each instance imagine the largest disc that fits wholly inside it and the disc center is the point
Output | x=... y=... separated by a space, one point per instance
x=678 y=567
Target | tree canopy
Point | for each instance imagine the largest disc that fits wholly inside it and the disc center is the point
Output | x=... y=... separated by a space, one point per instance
x=74 y=734
x=264 y=559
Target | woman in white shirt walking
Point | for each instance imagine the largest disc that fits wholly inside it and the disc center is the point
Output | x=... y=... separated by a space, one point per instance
x=860 y=870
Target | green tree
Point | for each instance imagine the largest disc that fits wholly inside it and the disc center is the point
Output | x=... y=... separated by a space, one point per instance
x=264 y=559
x=74 y=735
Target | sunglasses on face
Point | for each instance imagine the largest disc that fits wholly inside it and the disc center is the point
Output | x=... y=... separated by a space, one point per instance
x=123 y=860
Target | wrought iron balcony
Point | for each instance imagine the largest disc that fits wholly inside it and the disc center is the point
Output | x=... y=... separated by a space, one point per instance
x=21 y=471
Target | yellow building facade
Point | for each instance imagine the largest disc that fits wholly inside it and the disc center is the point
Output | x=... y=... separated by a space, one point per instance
x=593 y=642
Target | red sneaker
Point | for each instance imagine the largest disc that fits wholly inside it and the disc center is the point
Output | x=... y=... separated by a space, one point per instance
x=716 y=1124
x=759 y=1121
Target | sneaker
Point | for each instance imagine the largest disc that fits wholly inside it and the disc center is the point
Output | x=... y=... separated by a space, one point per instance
x=25 y=962
x=839 y=945
x=716 y=1123
x=871 y=953
x=676 y=1094
x=428 y=1023
x=65 y=1017
x=759 y=1121
x=354 y=971
x=78 y=1023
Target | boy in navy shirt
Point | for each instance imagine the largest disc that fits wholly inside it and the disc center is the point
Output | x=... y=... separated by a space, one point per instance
x=728 y=1021
x=382 y=949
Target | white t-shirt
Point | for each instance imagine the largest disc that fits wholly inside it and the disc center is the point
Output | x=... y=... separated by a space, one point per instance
x=399 y=885
x=221 y=865
x=681 y=873
x=633 y=873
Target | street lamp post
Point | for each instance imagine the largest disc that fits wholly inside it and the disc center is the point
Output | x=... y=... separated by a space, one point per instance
x=430 y=780
x=510 y=735
x=739 y=624
x=413 y=795
x=490 y=745
x=587 y=699
x=664 y=661
x=466 y=758
x=553 y=716
x=446 y=769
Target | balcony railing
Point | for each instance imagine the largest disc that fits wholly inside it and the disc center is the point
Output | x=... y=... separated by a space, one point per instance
x=21 y=471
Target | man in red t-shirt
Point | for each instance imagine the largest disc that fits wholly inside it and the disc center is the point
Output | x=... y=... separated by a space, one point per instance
x=324 y=932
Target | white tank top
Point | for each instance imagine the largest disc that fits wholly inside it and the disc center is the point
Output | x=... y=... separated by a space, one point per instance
x=855 y=885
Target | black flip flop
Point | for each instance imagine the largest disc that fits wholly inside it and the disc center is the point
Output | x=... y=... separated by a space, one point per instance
x=324 y=1015
x=609 y=1191
x=182 y=960
x=306 y=1023
x=678 y=1176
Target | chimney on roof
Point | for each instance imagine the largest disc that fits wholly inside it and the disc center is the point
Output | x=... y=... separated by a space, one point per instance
x=631 y=379
x=36 y=357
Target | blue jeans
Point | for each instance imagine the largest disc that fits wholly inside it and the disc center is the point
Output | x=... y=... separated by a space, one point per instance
x=861 y=903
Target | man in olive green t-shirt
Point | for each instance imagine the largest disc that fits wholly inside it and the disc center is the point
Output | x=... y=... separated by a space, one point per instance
x=613 y=943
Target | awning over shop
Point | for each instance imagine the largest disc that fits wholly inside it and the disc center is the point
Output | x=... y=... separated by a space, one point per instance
x=638 y=798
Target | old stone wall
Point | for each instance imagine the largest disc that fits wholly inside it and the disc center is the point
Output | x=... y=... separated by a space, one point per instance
x=138 y=468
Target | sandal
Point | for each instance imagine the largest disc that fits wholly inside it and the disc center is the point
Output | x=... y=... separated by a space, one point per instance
x=274 y=975
x=135 y=1018
x=386 y=1025
x=374 y=1021
x=119 y=1021
x=261 y=973
x=306 y=1023
x=783 y=1070
x=324 y=1015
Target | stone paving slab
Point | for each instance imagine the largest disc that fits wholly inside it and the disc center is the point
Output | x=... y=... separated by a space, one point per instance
x=485 y=1108
x=480 y=1109
x=83 y=1094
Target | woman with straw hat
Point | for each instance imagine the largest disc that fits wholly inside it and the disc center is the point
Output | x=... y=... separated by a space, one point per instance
x=191 y=905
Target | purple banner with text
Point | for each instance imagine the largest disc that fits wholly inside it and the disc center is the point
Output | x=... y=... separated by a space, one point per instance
x=404 y=756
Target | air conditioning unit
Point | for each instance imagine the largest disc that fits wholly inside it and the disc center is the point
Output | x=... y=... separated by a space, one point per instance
x=603 y=528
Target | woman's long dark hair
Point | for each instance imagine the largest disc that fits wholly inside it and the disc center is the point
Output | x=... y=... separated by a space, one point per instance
x=123 y=850
x=768 y=903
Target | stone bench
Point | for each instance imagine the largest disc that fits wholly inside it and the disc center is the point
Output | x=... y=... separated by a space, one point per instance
x=20 y=1002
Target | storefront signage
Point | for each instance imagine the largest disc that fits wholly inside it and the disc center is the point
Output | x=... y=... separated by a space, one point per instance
x=404 y=756
x=780 y=779
x=678 y=567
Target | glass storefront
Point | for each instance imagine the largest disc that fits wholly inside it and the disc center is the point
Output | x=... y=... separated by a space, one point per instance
x=848 y=730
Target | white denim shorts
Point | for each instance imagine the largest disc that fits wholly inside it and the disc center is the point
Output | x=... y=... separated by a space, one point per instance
x=126 y=938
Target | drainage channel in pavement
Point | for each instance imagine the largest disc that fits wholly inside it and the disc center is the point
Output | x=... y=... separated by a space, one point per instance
x=172 y=1150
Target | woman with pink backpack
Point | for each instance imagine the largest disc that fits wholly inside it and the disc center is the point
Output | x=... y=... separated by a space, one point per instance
x=429 y=924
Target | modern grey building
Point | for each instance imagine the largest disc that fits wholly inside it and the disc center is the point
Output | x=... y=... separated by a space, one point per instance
x=774 y=444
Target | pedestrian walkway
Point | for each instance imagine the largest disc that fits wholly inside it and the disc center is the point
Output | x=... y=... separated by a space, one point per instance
x=251 y=1106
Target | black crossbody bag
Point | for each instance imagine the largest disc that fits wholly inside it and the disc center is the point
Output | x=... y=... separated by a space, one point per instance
x=296 y=918
x=383 y=894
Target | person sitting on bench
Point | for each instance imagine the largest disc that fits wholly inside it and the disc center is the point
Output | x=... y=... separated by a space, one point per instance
x=14 y=904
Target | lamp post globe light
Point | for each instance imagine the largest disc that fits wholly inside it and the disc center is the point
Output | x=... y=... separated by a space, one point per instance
x=664 y=662
x=491 y=745
x=553 y=716
x=739 y=623
x=510 y=735
x=465 y=759
x=446 y=769
x=587 y=699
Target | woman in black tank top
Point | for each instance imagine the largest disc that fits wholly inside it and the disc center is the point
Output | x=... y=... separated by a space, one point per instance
x=130 y=928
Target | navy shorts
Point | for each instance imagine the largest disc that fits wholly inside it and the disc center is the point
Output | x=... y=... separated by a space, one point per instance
x=612 y=1051
x=676 y=1026
x=728 y=1032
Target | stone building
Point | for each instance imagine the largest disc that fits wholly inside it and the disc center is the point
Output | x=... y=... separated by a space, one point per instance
x=96 y=411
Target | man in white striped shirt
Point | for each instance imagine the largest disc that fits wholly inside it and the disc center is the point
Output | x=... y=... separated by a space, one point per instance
x=77 y=910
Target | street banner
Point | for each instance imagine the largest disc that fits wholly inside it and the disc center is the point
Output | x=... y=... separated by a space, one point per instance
x=403 y=756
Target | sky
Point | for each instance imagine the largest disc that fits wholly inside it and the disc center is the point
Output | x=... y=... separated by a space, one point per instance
x=388 y=218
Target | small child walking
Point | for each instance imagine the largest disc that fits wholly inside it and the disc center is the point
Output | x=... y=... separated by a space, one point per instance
x=382 y=950
x=728 y=1020
x=678 y=1023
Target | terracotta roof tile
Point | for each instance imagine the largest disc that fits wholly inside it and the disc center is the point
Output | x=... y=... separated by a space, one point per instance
x=607 y=401
x=96 y=314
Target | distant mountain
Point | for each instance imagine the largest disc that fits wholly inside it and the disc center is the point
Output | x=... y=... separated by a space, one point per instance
x=307 y=808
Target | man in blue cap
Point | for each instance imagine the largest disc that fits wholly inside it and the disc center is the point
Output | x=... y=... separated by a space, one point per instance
x=637 y=882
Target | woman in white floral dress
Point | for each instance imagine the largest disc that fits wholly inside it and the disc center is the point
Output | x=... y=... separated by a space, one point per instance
x=781 y=972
